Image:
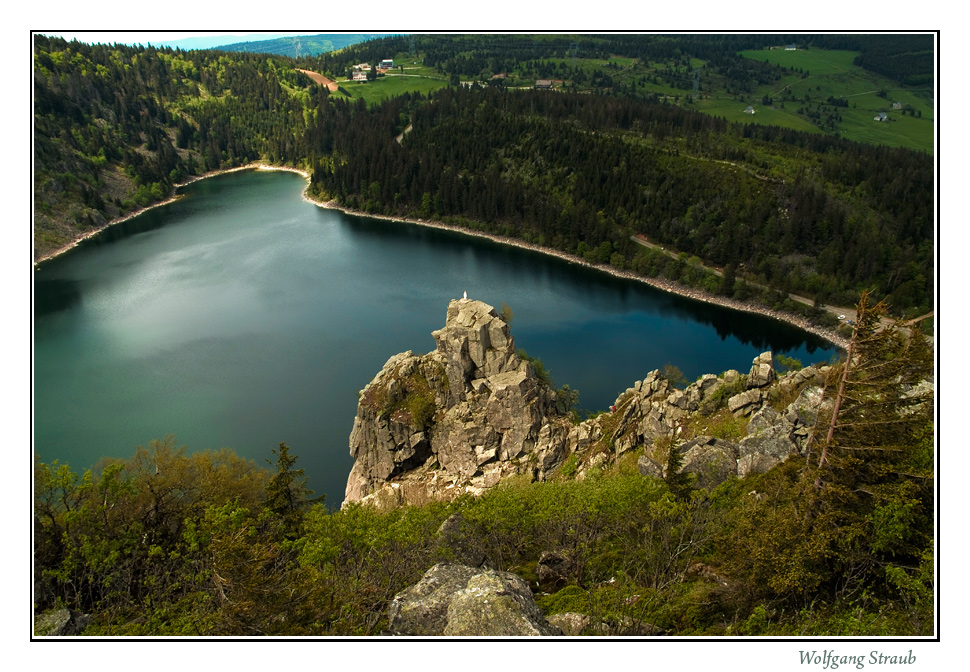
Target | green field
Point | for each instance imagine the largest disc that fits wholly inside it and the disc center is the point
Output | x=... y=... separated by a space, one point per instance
x=817 y=61
x=822 y=74
x=391 y=86
x=733 y=110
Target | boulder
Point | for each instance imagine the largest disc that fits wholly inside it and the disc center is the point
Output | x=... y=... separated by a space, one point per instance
x=571 y=623
x=461 y=601
x=712 y=460
x=743 y=403
x=762 y=371
x=769 y=434
x=756 y=463
x=554 y=568
x=649 y=467
x=61 y=623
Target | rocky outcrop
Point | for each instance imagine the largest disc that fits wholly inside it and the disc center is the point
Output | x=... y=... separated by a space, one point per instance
x=472 y=412
x=554 y=569
x=461 y=601
x=469 y=411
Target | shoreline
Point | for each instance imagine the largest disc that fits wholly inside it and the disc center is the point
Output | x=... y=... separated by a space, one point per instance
x=134 y=213
x=662 y=285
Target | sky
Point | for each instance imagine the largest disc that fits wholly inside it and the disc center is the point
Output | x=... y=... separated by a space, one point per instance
x=155 y=37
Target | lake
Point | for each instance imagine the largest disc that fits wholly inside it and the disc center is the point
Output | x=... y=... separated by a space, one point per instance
x=242 y=315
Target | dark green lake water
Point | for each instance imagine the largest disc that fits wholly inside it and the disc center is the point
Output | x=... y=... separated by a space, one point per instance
x=242 y=316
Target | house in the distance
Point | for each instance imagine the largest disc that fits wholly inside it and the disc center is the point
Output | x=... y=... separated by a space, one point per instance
x=882 y=116
x=359 y=72
x=543 y=83
x=749 y=110
x=386 y=64
x=790 y=47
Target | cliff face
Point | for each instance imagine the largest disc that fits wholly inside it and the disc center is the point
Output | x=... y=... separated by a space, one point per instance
x=461 y=418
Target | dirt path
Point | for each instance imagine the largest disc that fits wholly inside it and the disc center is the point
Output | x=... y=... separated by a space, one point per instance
x=319 y=79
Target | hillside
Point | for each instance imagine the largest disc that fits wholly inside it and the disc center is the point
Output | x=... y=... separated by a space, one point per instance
x=721 y=75
x=298 y=46
x=117 y=127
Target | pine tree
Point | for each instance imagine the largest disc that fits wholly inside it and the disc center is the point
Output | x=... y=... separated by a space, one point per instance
x=873 y=482
x=286 y=493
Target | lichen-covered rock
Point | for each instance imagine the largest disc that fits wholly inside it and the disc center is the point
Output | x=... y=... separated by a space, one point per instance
x=61 y=623
x=461 y=601
x=744 y=403
x=769 y=434
x=756 y=463
x=762 y=370
x=571 y=623
x=649 y=467
x=553 y=568
x=712 y=460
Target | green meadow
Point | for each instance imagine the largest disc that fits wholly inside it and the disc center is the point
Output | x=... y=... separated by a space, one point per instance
x=821 y=74
x=390 y=86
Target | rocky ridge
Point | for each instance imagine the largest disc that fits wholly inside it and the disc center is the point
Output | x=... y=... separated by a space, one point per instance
x=472 y=412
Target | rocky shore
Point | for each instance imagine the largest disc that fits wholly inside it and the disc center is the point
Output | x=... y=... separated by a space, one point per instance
x=471 y=413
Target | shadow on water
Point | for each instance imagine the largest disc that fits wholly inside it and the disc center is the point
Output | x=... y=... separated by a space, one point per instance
x=601 y=291
x=52 y=296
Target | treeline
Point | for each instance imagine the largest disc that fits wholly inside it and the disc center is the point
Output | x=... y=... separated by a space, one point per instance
x=581 y=173
x=835 y=542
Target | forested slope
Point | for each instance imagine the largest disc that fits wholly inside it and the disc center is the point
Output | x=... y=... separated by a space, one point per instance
x=583 y=174
x=116 y=127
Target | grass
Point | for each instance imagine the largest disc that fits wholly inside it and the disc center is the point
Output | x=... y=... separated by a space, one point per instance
x=391 y=86
x=733 y=110
x=832 y=74
x=816 y=61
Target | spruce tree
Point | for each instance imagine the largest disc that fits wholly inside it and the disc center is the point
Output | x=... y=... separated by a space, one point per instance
x=286 y=493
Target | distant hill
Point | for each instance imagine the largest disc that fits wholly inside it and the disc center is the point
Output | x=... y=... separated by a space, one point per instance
x=213 y=41
x=302 y=45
